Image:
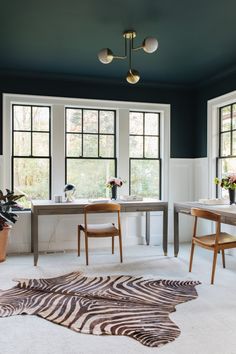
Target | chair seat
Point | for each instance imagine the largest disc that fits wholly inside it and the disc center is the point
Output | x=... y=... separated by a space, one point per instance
x=209 y=240
x=100 y=229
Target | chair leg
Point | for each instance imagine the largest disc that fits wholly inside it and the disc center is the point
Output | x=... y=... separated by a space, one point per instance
x=191 y=256
x=214 y=266
x=78 y=241
x=86 y=247
x=120 y=244
x=223 y=257
x=112 y=247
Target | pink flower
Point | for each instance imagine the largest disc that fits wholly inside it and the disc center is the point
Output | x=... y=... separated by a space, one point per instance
x=232 y=178
x=114 y=181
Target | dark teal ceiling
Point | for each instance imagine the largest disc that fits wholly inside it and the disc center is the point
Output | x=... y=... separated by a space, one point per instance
x=197 y=39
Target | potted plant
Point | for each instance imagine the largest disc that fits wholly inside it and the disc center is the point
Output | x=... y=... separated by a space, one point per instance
x=7 y=218
x=228 y=183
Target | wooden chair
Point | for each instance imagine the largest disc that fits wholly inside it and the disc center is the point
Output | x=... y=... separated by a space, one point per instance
x=100 y=230
x=219 y=241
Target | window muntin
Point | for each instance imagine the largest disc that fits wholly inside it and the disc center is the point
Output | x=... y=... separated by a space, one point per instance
x=144 y=152
x=90 y=150
x=31 y=151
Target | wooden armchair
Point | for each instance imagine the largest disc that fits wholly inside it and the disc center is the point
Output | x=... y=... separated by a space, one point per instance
x=101 y=230
x=219 y=241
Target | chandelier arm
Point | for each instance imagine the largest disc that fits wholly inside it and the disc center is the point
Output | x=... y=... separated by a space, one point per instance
x=137 y=48
x=122 y=56
x=130 y=52
x=119 y=57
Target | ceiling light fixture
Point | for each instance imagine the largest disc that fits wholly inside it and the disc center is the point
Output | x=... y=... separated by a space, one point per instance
x=149 y=45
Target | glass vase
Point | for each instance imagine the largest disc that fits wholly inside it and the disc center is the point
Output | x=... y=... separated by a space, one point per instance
x=231 y=196
x=114 y=192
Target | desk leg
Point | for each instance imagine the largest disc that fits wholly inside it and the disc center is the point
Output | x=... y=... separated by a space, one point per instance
x=176 y=232
x=34 y=236
x=147 y=228
x=165 y=231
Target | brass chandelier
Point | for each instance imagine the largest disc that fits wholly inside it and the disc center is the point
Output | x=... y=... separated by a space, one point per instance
x=149 y=45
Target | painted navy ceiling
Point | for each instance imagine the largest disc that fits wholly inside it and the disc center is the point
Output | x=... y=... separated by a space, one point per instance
x=57 y=37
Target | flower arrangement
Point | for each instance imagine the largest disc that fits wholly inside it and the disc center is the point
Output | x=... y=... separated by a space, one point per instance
x=228 y=182
x=114 y=181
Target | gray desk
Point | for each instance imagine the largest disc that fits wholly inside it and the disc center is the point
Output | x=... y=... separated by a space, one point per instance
x=47 y=207
x=227 y=212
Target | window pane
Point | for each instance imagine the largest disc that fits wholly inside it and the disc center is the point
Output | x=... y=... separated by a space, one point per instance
x=107 y=122
x=151 y=123
x=234 y=144
x=234 y=116
x=90 y=145
x=227 y=166
x=90 y=176
x=73 y=120
x=151 y=147
x=74 y=145
x=136 y=123
x=31 y=176
x=22 y=144
x=40 y=118
x=145 y=178
x=22 y=120
x=225 y=144
x=136 y=146
x=226 y=118
x=90 y=121
x=40 y=144
x=106 y=145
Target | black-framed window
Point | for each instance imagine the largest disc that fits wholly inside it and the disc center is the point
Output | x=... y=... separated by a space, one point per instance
x=31 y=151
x=144 y=154
x=226 y=161
x=90 y=143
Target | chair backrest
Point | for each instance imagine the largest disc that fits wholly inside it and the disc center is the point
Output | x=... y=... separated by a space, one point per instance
x=208 y=215
x=102 y=208
x=205 y=214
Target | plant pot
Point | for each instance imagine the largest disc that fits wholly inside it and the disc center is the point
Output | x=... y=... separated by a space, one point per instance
x=3 y=242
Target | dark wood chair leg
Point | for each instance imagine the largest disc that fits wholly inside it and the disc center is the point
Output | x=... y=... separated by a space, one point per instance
x=78 y=241
x=120 y=244
x=223 y=257
x=191 y=257
x=214 y=266
x=113 y=244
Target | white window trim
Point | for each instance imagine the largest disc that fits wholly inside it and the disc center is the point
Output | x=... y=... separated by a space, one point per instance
x=213 y=106
x=58 y=165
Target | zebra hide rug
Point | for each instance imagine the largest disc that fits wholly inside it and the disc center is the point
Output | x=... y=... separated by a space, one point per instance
x=118 y=305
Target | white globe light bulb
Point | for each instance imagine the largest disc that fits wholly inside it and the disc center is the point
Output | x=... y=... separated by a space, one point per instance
x=132 y=76
x=105 y=56
x=150 y=44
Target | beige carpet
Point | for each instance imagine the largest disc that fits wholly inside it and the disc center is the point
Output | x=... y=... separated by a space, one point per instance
x=207 y=324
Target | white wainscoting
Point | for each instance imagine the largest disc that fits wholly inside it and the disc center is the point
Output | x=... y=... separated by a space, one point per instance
x=59 y=232
x=181 y=188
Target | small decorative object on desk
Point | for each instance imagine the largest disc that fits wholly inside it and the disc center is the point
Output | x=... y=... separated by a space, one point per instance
x=69 y=190
x=228 y=183
x=113 y=183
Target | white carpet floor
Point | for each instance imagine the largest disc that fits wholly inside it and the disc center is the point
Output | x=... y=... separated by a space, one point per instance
x=208 y=324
